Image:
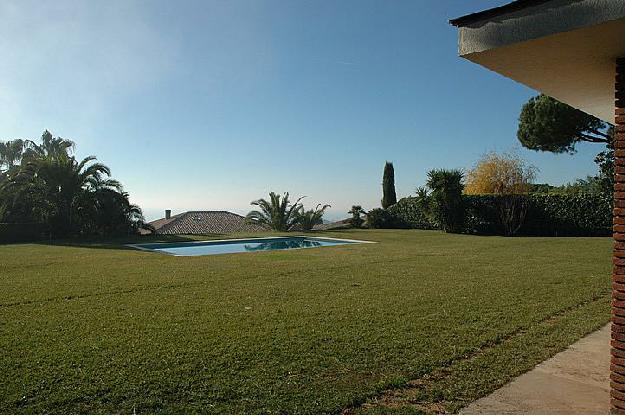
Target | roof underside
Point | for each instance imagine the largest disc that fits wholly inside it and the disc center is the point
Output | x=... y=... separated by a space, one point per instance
x=563 y=48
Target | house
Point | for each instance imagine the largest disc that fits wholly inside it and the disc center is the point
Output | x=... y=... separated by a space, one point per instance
x=203 y=222
x=574 y=51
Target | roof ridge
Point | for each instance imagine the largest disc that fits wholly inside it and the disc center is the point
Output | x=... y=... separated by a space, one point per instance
x=177 y=217
x=196 y=211
x=214 y=211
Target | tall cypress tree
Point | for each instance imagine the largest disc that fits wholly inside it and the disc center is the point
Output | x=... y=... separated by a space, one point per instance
x=389 y=198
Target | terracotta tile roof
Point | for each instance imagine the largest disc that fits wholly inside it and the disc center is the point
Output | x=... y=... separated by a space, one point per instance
x=341 y=224
x=159 y=223
x=204 y=222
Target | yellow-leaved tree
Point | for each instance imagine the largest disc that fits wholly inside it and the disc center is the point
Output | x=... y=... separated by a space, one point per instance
x=509 y=179
x=501 y=174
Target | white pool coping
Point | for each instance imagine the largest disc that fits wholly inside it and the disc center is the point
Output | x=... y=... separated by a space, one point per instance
x=142 y=248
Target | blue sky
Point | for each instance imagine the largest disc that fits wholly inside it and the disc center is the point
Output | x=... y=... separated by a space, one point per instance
x=209 y=104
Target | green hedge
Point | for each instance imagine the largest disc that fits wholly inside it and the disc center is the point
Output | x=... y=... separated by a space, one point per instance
x=413 y=213
x=21 y=232
x=582 y=214
x=383 y=219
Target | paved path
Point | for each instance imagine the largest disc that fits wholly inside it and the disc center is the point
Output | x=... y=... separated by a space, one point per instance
x=575 y=381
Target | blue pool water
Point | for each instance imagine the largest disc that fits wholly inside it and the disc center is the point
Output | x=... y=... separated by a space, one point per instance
x=241 y=245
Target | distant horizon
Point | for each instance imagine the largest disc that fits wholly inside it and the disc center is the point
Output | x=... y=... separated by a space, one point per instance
x=208 y=105
x=331 y=214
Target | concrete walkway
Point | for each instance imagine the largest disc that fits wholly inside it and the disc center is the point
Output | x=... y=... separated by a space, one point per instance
x=575 y=381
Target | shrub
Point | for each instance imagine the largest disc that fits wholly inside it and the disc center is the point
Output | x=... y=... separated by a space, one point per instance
x=414 y=212
x=22 y=232
x=582 y=214
x=383 y=219
x=496 y=214
x=356 y=220
x=447 y=205
x=481 y=214
x=307 y=219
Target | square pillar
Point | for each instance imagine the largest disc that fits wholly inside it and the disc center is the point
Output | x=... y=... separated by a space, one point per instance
x=617 y=366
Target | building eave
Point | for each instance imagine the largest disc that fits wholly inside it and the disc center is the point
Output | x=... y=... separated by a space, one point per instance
x=495 y=12
x=563 y=48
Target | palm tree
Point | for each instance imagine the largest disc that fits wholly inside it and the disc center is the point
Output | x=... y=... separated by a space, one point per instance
x=309 y=218
x=50 y=186
x=61 y=190
x=69 y=184
x=50 y=147
x=109 y=211
x=446 y=187
x=277 y=213
x=422 y=192
x=356 y=219
x=10 y=153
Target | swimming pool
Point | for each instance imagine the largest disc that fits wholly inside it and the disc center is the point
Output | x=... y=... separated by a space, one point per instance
x=231 y=246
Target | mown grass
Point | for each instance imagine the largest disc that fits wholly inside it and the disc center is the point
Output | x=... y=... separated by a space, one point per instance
x=439 y=319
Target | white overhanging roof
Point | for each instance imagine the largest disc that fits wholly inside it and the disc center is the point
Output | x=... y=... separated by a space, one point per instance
x=563 y=48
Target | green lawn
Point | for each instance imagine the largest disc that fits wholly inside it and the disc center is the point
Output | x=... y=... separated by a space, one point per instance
x=442 y=319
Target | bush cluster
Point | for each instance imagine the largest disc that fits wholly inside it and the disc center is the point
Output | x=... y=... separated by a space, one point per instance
x=581 y=214
x=413 y=213
x=21 y=232
x=384 y=219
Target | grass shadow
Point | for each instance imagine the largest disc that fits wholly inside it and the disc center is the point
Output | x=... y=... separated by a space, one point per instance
x=122 y=242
